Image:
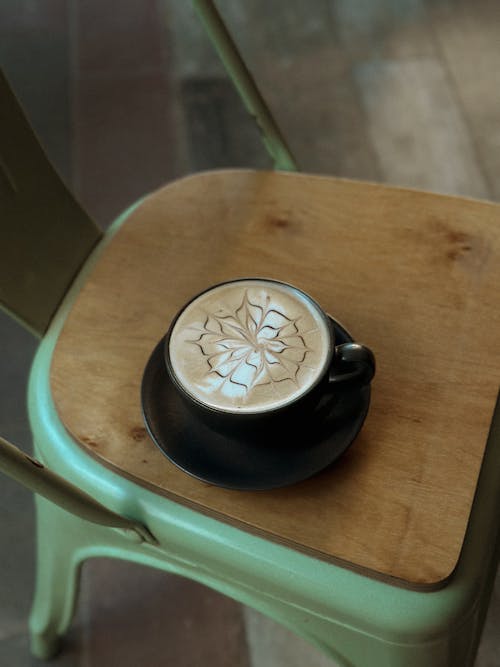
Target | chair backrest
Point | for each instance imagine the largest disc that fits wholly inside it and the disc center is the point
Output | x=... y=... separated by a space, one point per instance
x=45 y=235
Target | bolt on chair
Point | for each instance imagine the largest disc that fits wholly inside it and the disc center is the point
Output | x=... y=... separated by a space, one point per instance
x=386 y=558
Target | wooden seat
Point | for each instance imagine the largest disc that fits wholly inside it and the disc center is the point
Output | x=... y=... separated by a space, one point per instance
x=413 y=275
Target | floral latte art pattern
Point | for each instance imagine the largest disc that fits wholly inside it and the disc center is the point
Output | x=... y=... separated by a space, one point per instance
x=256 y=344
x=249 y=345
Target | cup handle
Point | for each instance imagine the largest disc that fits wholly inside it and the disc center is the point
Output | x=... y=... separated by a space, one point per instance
x=353 y=364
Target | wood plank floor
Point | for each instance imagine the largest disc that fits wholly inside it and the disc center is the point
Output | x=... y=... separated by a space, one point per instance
x=128 y=95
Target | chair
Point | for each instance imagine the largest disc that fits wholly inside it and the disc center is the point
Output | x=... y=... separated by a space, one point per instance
x=388 y=557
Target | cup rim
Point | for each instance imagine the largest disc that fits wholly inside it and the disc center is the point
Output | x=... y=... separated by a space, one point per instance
x=264 y=412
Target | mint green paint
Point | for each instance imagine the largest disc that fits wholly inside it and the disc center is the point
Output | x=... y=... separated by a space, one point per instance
x=44 y=482
x=244 y=83
x=366 y=622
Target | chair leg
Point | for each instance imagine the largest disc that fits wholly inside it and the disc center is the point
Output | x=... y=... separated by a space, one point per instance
x=57 y=577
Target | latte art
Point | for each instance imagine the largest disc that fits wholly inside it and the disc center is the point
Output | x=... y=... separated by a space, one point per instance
x=249 y=346
x=255 y=345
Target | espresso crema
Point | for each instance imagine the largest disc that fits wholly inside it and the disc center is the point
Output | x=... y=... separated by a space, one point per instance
x=250 y=346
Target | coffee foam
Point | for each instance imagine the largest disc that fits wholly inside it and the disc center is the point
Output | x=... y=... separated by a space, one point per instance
x=249 y=346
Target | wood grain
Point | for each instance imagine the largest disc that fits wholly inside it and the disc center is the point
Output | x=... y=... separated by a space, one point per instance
x=417 y=127
x=413 y=275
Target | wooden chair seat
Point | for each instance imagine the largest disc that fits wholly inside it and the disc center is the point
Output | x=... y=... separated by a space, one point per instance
x=413 y=275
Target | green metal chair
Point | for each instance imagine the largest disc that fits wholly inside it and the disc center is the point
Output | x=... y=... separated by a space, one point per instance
x=86 y=508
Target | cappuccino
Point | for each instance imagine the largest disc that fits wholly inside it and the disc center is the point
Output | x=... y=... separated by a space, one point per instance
x=250 y=346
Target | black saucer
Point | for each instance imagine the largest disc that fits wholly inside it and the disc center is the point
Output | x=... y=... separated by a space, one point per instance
x=237 y=462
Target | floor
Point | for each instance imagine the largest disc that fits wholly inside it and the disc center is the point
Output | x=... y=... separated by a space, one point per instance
x=126 y=95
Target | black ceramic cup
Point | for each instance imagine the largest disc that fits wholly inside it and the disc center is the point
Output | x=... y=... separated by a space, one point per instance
x=256 y=353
